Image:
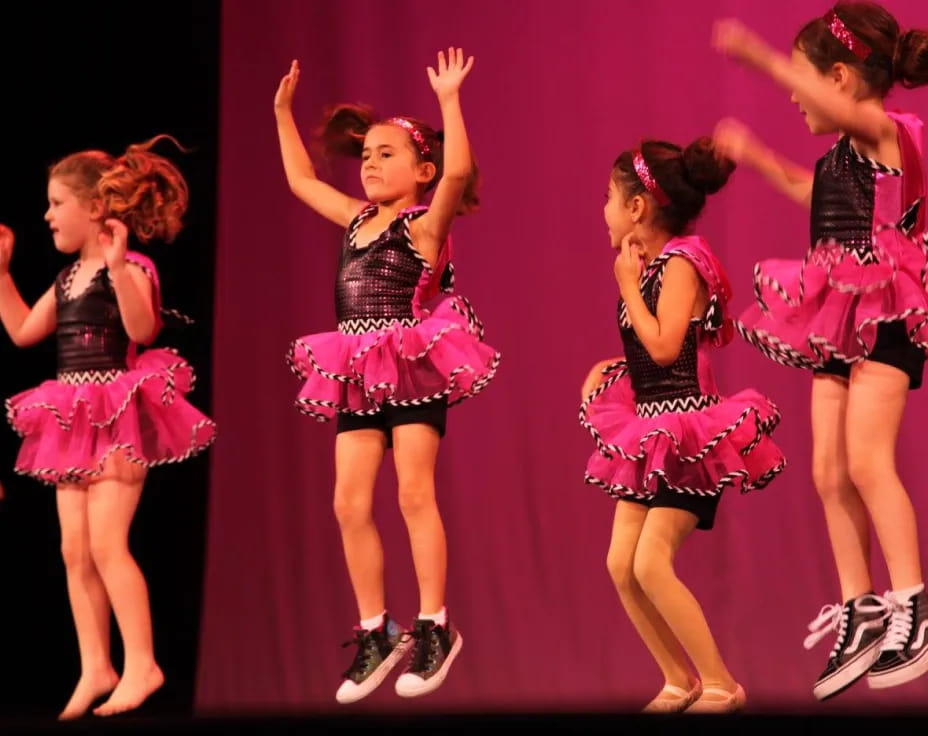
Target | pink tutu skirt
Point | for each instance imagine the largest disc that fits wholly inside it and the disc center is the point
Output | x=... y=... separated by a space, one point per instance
x=829 y=305
x=69 y=430
x=700 y=446
x=441 y=357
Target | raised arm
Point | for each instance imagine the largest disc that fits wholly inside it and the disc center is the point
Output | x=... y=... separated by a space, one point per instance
x=133 y=287
x=431 y=230
x=301 y=176
x=867 y=123
x=733 y=140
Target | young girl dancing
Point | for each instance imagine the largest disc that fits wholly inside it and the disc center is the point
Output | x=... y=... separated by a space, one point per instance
x=406 y=348
x=668 y=444
x=854 y=312
x=113 y=411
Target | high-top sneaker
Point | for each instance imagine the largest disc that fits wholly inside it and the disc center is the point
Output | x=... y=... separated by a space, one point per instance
x=434 y=649
x=904 y=654
x=861 y=626
x=379 y=651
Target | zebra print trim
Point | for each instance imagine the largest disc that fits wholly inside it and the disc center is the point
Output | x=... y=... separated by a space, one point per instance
x=709 y=321
x=311 y=407
x=167 y=397
x=655 y=269
x=648 y=409
x=780 y=352
x=359 y=219
x=729 y=480
x=460 y=305
x=909 y=218
x=869 y=162
x=363 y=325
x=78 y=378
x=608 y=450
x=86 y=476
x=69 y=277
x=474 y=327
x=825 y=255
x=830 y=253
x=873 y=164
x=406 y=217
x=774 y=348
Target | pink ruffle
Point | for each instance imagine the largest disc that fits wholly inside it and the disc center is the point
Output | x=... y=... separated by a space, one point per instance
x=830 y=305
x=443 y=356
x=70 y=430
x=701 y=452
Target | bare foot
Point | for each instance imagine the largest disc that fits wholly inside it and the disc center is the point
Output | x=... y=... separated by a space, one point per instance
x=89 y=688
x=133 y=689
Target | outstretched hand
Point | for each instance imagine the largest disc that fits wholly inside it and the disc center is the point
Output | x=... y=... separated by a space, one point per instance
x=283 y=100
x=451 y=73
x=731 y=37
x=732 y=139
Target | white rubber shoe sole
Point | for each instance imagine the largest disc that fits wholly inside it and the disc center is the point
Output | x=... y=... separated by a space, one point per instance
x=409 y=685
x=352 y=692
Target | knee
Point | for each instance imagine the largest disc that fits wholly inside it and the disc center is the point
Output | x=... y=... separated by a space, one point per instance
x=106 y=551
x=652 y=569
x=867 y=472
x=621 y=569
x=831 y=480
x=416 y=495
x=75 y=551
x=351 y=509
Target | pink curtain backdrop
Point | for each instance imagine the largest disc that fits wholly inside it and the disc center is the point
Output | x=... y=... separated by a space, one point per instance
x=556 y=93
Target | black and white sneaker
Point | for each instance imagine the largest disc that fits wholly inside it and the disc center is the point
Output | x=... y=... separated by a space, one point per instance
x=379 y=651
x=434 y=649
x=861 y=626
x=904 y=654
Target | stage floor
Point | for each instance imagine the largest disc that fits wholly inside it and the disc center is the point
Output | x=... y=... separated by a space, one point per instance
x=472 y=723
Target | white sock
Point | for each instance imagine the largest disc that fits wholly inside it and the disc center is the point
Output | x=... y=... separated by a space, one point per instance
x=440 y=618
x=906 y=593
x=369 y=624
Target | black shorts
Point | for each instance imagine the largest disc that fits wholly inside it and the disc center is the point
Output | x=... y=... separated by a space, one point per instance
x=892 y=347
x=702 y=507
x=433 y=413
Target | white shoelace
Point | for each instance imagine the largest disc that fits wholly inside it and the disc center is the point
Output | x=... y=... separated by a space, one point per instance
x=831 y=618
x=900 y=624
x=834 y=617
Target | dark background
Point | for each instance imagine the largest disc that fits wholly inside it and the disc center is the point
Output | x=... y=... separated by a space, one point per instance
x=76 y=77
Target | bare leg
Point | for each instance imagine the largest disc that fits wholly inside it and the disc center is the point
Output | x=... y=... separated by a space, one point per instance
x=845 y=513
x=111 y=507
x=879 y=390
x=663 y=533
x=90 y=606
x=651 y=626
x=358 y=455
x=415 y=452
